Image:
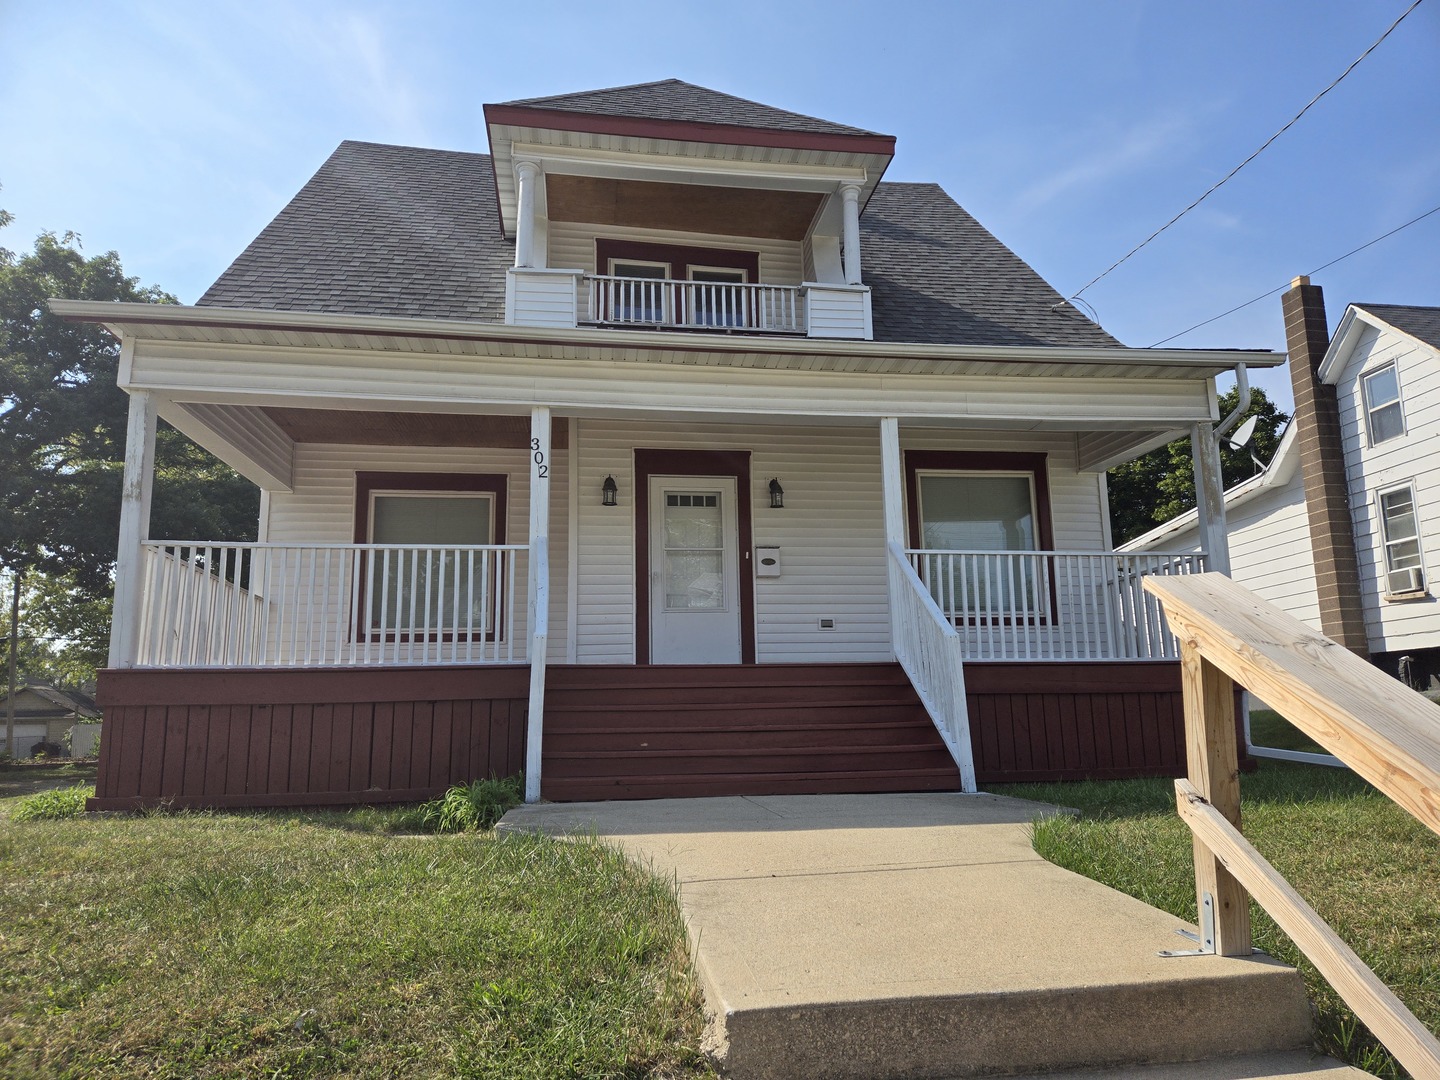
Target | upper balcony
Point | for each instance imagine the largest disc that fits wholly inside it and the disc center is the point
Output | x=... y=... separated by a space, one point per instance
x=743 y=222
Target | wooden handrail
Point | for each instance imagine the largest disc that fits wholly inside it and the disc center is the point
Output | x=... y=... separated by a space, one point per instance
x=1388 y=734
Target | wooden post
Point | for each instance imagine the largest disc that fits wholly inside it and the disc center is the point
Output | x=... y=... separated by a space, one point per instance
x=850 y=198
x=14 y=646
x=1215 y=773
x=538 y=592
x=136 y=485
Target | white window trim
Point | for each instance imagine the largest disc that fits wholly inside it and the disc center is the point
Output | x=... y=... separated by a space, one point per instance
x=665 y=266
x=744 y=274
x=1369 y=410
x=1385 y=568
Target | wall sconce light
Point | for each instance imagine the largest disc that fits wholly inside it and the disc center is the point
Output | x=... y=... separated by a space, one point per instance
x=608 y=491
x=777 y=495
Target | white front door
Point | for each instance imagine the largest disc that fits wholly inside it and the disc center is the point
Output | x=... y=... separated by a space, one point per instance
x=694 y=571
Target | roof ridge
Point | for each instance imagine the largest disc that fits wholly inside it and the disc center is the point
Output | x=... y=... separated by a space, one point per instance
x=601 y=90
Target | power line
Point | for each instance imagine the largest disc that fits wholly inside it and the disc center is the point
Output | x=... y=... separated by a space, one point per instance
x=1223 y=180
x=1281 y=288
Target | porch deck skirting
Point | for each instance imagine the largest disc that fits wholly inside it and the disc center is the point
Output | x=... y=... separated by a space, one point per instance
x=354 y=736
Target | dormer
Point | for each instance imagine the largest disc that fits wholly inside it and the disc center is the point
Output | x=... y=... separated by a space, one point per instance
x=668 y=206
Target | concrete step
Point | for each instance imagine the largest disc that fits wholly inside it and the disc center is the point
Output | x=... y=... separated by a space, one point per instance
x=1294 y=1065
x=899 y=937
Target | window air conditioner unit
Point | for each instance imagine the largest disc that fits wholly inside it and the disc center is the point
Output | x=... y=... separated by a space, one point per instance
x=1411 y=579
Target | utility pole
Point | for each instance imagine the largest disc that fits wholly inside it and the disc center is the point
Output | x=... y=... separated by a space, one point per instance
x=14 y=645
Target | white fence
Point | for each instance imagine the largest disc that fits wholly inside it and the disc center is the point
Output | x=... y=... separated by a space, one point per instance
x=1053 y=605
x=291 y=605
x=693 y=305
x=929 y=649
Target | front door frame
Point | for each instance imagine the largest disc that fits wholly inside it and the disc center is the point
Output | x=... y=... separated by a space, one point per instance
x=728 y=463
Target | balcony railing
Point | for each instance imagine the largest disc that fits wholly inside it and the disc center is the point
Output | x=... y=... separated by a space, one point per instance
x=1053 y=605
x=692 y=305
x=292 y=605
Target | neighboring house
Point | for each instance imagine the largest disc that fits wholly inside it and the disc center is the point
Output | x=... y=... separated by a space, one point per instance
x=1362 y=567
x=44 y=714
x=634 y=454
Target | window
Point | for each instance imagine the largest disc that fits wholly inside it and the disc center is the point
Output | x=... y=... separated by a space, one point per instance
x=642 y=296
x=671 y=285
x=711 y=303
x=976 y=504
x=1384 y=418
x=1400 y=530
x=426 y=578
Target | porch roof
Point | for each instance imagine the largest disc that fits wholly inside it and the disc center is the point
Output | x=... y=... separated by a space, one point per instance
x=295 y=329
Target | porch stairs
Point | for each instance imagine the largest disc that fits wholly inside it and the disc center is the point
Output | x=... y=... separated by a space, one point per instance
x=654 y=732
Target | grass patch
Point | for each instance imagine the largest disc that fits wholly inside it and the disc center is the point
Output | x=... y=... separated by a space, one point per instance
x=1269 y=728
x=53 y=804
x=466 y=807
x=318 y=944
x=1368 y=868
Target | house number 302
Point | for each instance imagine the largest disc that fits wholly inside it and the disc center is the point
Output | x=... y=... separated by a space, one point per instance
x=542 y=469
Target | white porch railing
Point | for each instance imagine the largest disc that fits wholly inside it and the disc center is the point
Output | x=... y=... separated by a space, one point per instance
x=929 y=649
x=693 y=305
x=293 y=605
x=1053 y=605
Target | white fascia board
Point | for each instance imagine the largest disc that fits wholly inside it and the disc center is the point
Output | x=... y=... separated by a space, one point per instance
x=1347 y=335
x=1276 y=474
x=117 y=316
x=679 y=169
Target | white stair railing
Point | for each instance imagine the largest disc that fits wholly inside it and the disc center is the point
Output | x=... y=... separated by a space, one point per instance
x=1054 y=605
x=304 y=605
x=929 y=649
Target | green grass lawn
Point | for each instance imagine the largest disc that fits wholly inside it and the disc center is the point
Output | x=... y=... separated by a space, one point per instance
x=1368 y=868
x=320 y=945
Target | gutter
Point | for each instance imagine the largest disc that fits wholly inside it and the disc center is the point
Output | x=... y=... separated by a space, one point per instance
x=114 y=315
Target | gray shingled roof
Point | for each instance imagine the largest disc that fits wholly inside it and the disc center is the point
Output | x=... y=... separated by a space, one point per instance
x=672 y=99
x=938 y=276
x=393 y=230
x=380 y=230
x=1418 y=322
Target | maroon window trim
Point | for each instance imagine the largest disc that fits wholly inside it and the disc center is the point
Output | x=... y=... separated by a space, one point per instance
x=679 y=258
x=917 y=461
x=728 y=463
x=494 y=484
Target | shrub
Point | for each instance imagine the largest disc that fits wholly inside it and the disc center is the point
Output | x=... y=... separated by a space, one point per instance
x=478 y=805
x=55 y=803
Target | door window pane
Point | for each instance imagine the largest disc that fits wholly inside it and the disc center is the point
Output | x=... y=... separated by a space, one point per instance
x=694 y=536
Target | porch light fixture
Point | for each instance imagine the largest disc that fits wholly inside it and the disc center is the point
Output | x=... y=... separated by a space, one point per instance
x=608 y=491
x=777 y=495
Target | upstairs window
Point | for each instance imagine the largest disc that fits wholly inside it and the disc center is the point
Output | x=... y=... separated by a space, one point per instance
x=1383 y=416
x=1400 y=528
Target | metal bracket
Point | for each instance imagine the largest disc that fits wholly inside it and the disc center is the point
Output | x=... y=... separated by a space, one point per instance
x=1206 y=938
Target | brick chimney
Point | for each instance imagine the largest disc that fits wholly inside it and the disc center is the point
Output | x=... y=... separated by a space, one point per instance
x=1322 y=465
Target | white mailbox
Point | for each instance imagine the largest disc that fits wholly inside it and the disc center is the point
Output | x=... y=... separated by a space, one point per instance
x=767 y=562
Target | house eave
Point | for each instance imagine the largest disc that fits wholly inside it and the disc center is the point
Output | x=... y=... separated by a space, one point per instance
x=172 y=322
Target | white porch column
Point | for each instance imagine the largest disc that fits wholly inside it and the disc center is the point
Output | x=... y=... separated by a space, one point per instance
x=850 y=194
x=1210 y=497
x=136 y=484
x=538 y=592
x=893 y=490
x=527 y=173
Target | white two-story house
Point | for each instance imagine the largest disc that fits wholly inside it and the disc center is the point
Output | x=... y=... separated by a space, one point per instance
x=665 y=449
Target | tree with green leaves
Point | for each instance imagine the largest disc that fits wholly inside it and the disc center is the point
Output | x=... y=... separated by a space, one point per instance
x=62 y=442
x=1161 y=485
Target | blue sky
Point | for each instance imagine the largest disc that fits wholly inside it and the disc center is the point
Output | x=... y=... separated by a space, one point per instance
x=172 y=132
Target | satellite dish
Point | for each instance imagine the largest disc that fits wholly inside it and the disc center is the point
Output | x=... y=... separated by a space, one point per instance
x=1241 y=437
x=1243 y=434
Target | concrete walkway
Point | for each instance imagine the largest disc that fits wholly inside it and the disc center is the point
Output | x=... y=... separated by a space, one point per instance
x=921 y=936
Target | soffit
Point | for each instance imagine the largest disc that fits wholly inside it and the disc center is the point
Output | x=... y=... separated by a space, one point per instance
x=365 y=428
x=720 y=211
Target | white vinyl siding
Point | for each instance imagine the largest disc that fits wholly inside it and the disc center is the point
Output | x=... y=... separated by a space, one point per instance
x=830 y=532
x=572 y=247
x=1370 y=469
x=321 y=509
